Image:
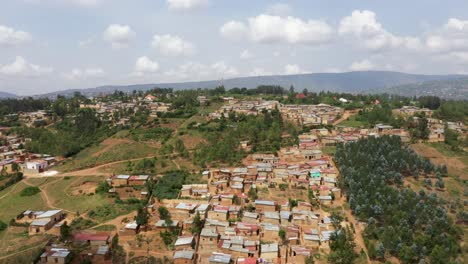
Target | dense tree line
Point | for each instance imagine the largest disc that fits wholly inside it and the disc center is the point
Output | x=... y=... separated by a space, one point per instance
x=66 y=137
x=411 y=226
x=263 y=133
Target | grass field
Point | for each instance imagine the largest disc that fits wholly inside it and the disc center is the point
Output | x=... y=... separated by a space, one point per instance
x=446 y=150
x=105 y=153
x=352 y=122
x=60 y=194
x=12 y=204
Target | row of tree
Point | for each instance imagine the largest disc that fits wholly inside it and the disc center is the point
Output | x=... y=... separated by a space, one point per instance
x=410 y=226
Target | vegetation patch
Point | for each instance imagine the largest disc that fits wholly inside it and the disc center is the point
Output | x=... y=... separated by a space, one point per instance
x=30 y=191
x=403 y=223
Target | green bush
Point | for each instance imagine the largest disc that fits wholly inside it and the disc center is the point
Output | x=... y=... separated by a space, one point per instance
x=30 y=191
x=3 y=226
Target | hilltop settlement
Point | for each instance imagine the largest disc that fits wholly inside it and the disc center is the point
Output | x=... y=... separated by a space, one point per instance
x=231 y=177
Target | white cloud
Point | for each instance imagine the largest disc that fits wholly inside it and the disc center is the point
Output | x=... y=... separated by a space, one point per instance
x=275 y=29
x=452 y=37
x=221 y=68
x=10 y=36
x=145 y=65
x=21 y=67
x=197 y=71
x=119 y=36
x=364 y=65
x=85 y=43
x=84 y=74
x=234 y=30
x=80 y=3
x=186 y=4
x=260 y=72
x=292 y=69
x=279 y=9
x=172 y=45
x=332 y=70
x=246 y=54
x=363 y=27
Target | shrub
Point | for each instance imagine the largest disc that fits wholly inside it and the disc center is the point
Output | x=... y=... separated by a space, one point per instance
x=3 y=226
x=30 y=191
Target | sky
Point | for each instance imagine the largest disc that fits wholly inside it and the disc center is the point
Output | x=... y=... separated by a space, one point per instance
x=50 y=45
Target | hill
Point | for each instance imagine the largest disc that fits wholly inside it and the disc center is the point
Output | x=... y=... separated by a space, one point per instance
x=6 y=95
x=449 y=88
x=350 y=82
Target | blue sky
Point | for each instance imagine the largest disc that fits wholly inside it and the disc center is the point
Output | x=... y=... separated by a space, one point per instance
x=48 y=45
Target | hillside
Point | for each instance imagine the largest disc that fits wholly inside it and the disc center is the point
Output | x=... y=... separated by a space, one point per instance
x=6 y=95
x=351 y=82
x=449 y=88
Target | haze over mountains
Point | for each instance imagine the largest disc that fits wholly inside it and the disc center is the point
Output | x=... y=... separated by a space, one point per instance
x=454 y=86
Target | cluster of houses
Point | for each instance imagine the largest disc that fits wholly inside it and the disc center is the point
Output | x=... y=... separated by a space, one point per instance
x=408 y=111
x=111 y=110
x=12 y=152
x=129 y=186
x=240 y=227
x=307 y=115
x=310 y=115
x=252 y=107
x=32 y=119
x=89 y=247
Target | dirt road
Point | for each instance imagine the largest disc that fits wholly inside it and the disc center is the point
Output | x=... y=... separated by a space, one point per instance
x=345 y=116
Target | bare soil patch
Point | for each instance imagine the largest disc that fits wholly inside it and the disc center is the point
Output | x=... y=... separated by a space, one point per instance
x=108 y=144
x=84 y=188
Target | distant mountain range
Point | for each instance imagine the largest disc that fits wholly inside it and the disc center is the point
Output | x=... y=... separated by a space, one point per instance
x=6 y=95
x=456 y=88
x=349 y=82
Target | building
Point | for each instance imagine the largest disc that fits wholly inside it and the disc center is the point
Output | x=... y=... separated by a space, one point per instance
x=55 y=255
x=184 y=257
x=219 y=258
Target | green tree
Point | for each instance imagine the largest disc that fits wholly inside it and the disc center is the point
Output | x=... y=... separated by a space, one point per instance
x=65 y=231
x=197 y=225
x=252 y=194
x=282 y=235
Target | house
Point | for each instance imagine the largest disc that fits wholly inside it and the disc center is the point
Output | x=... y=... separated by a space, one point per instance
x=184 y=242
x=93 y=239
x=37 y=166
x=219 y=212
x=271 y=218
x=150 y=98
x=311 y=238
x=184 y=257
x=298 y=254
x=219 y=258
x=265 y=206
x=137 y=180
x=209 y=238
x=55 y=255
x=120 y=180
x=184 y=210
x=163 y=224
x=45 y=220
x=130 y=229
x=325 y=199
x=269 y=251
x=248 y=260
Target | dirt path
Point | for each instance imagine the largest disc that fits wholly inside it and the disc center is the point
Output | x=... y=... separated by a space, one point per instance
x=44 y=194
x=358 y=238
x=109 y=143
x=454 y=164
x=10 y=191
x=345 y=116
x=95 y=170
x=22 y=251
